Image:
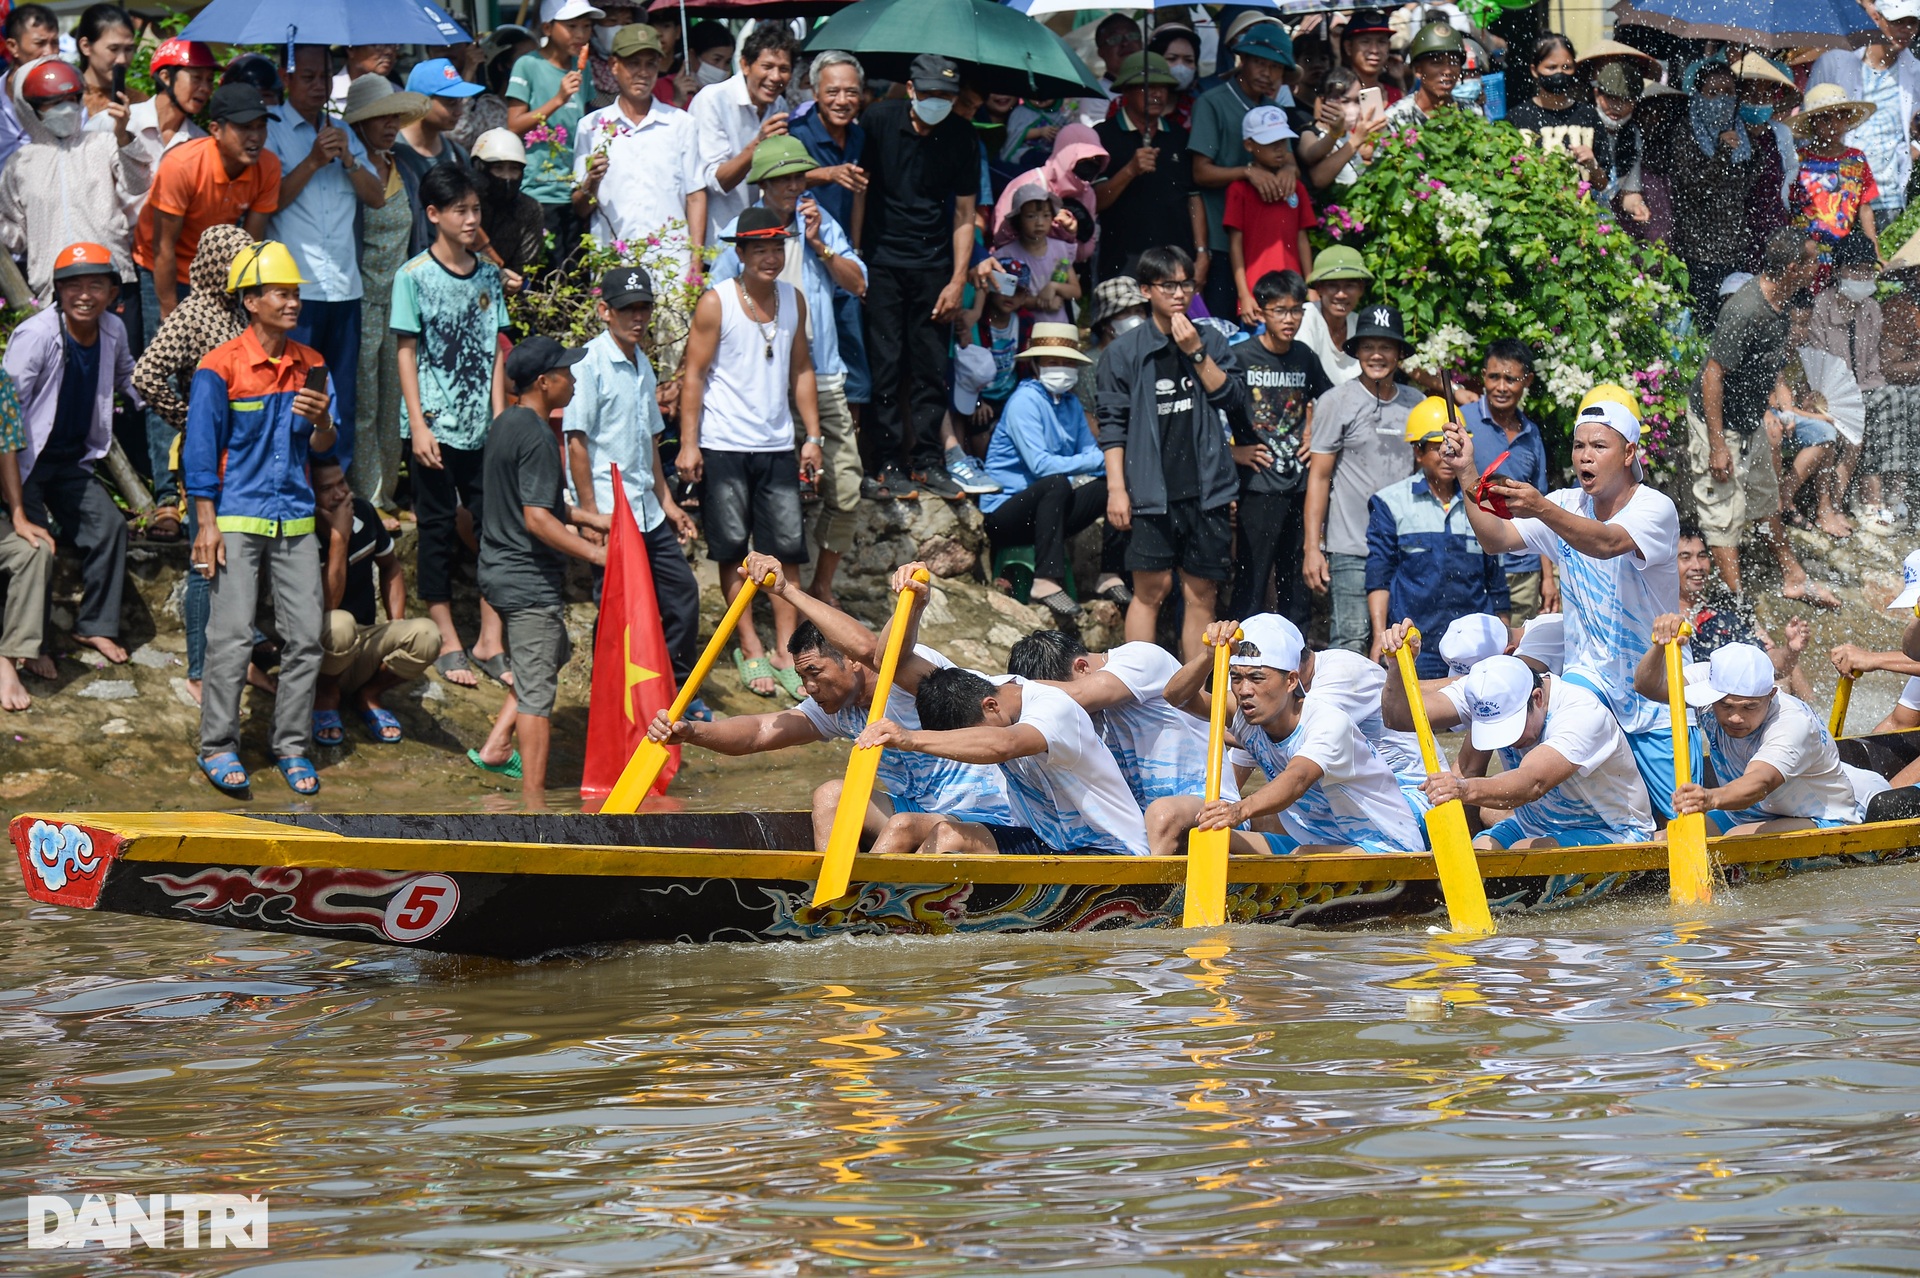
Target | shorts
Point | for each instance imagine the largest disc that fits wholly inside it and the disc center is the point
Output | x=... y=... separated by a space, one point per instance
x=1508 y=832
x=1018 y=840
x=1281 y=845
x=1523 y=595
x=753 y=495
x=1810 y=432
x=1724 y=821
x=1197 y=542
x=1727 y=508
x=537 y=646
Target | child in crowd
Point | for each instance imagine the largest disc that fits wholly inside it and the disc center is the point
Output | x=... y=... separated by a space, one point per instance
x=1048 y=260
x=992 y=323
x=1263 y=237
x=1031 y=129
x=1835 y=189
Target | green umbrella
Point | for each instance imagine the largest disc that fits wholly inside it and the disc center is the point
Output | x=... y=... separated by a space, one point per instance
x=1014 y=54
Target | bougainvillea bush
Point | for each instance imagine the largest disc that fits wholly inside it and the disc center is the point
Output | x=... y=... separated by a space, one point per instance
x=1476 y=235
x=560 y=305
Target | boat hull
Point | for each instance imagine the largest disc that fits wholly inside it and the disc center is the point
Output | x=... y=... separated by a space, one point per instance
x=518 y=887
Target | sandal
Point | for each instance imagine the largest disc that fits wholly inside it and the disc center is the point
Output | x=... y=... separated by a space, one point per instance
x=163 y=524
x=381 y=723
x=298 y=771
x=789 y=678
x=510 y=769
x=327 y=728
x=218 y=767
x=1119 y=592
x=449 y=662
x=1060 y=604
x=496 y=668
x=752 y=669
x=699 y=712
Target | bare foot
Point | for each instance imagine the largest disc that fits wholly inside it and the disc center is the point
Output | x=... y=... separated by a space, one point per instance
x=103 y=645
x=1834 y=524
x=1809 y=592
x=41 y=667
x=461 y=675
x=13 y=694
x=258 y=678
x=193 y=690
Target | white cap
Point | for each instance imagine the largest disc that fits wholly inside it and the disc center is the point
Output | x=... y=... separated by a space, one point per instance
x=1734 y=670
x=1910 y=592
x=1618 y=418
x=499 y=146
x=973 y=372
x=1277 y=642
x=1266 y=124
x=1544 y=639
x=1894 y=10
x=1738 y=279
x=1472 y=639
x=1498 y=691
x=567 y=10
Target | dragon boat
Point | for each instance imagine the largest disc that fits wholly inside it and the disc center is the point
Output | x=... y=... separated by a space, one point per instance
x=520 y=887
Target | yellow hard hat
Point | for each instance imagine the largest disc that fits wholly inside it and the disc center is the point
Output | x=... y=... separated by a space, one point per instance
x=1608 y=392
x=1428 y=421
x=269 y=262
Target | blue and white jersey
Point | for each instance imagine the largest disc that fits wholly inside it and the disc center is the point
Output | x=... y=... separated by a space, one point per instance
x=1354 y=685
x=1798 y=746
x=1357 y=799
x=921 y=782
x=1073 y=795
x=1605 y=791
x=1161 y=750
x=1610 y=604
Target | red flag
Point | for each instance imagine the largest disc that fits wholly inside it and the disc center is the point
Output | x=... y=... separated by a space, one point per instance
x=632 y=675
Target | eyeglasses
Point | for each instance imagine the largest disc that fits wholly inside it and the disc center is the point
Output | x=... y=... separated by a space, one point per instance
x=1175 y=286
x=1286 y=312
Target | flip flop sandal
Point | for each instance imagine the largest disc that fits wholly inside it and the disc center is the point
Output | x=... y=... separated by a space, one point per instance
x=699 y=711
x=218 y=767
x=448 y=662
x=1119 y=592
x=495 y=668
x=297 y=770
x=752 y=668
x=379 y=723
x=789 y=678
x=1060 y=604
x=327 y=728
x=510 y=769
x=163 y=524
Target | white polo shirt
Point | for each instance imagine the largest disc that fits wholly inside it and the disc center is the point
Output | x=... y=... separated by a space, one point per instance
x=1073 y=795
x=727 y=121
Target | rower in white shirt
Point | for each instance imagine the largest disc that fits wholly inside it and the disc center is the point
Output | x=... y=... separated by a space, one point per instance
x=1569 y=778
x=1471 y=639
x=1543 y=643
x=1614 y=541
x=1327 y=784
x=1161 y=750
x=1776 y=762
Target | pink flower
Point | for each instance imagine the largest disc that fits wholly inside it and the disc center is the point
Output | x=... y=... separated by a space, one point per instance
x=620 y=247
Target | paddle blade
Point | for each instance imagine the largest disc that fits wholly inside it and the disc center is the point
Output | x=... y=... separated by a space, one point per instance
x=630 y=791
x=1460 y=882
x=1206 y=878
x=1689 y=873
x=848 y=820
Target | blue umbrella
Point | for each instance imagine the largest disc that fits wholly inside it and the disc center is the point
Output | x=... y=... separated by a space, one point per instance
x=343 y=22
x=1770 y=24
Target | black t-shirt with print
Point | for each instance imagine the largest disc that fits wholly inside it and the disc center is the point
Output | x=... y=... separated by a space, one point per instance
x=1174 y=388
x=1280 y=389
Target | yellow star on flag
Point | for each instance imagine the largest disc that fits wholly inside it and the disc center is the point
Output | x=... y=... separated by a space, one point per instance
x=635 y=676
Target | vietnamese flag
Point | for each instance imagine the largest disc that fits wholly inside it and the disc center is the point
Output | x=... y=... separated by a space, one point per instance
x=632 y=675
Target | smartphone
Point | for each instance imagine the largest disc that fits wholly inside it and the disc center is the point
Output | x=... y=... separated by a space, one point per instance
x=120 y=82
x=317 y=378
x=1373 y=102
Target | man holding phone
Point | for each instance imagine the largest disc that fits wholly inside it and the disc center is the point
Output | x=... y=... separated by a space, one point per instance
x=260 y=404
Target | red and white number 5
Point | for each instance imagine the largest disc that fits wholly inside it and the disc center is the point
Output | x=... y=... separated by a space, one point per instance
x=421 y=908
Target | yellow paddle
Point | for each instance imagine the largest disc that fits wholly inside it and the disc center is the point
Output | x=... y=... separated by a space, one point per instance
x=1689 y=873
x=836 y=867
x=1207 y=849
x=637 y=777
x=1453 y=857
x=1842 y=698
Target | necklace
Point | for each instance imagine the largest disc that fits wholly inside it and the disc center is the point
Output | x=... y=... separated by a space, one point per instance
x=768 y=331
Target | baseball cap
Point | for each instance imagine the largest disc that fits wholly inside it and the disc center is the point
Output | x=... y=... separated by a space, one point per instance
x=1266 y=124
x=567 y=10
x=1617 y=418
x=1497 y=692
x=931 y=73
x=1472 y=639
x=238 y=104
x=973 y=372
x=1895 y=10
x=623 y=286
x=537 y=355
x=1734 y=670
x=1276 y=642
x=439 y=78
x=1910 y=592
x=778 y=156
x=637 y=37
x=1544 y=639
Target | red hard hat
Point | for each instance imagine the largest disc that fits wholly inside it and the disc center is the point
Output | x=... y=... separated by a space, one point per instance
x=50 y=79
x=83 y=258
x=184 y=53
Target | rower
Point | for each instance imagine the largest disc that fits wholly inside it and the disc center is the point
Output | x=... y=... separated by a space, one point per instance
x=1471 y=639
x=837 y=658
x=1325 y=781
x=1852 y=660
x=1613 y=539
x=1066 y=794
x=1569 y=777
x=1160 y=750
x=1543 y=643
x=1776 y=761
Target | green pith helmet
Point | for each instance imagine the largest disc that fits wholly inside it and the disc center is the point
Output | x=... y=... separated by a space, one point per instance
x=1341 y=262
x=1143 y=68
x=1437 y=37
x=778 y=156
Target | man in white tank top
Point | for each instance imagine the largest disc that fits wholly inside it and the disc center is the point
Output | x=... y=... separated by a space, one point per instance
x=747 y=371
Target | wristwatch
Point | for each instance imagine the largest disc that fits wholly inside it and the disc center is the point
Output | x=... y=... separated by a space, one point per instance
x=818 y=441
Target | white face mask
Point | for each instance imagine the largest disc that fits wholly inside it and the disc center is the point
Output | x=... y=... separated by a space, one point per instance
x=1126 y=324
x=709 y=75
x=1183 y=75
x=62 y=121
x=1856 y=290
x=932 y=110
x=1058 y=380
x=603 y=40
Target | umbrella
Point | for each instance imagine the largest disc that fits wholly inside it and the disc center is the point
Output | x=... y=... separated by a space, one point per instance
x=1770 y=24
x=343 y=22
x=1014 y=53
x=1829 y=377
